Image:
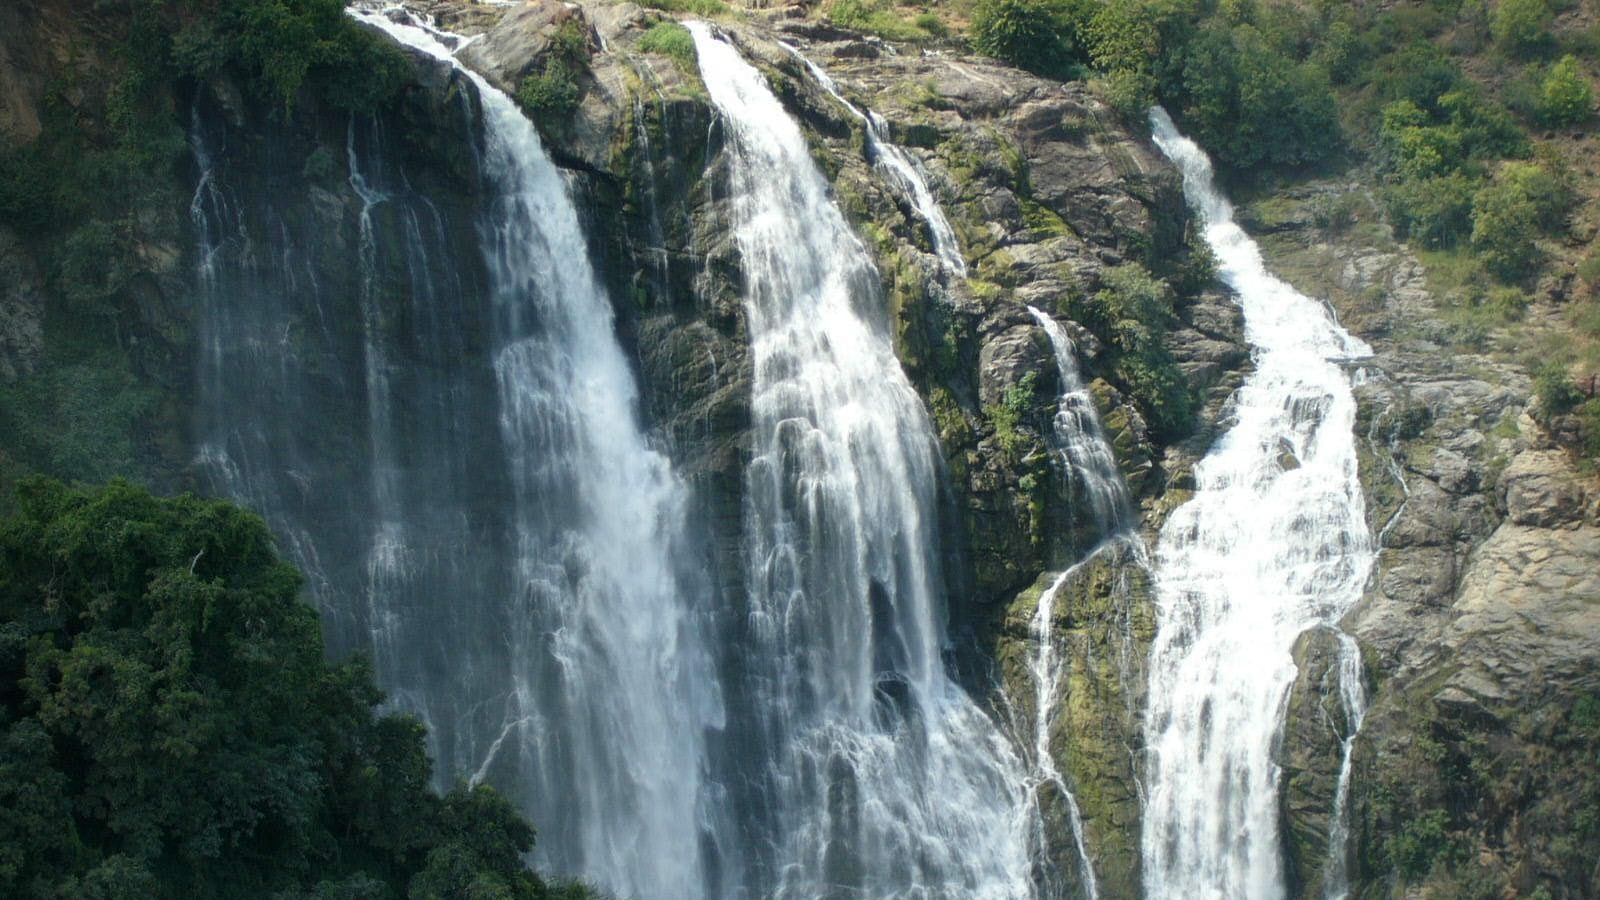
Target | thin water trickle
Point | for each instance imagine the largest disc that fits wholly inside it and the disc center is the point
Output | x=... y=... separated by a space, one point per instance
x=1268 y=547
x=901 y=169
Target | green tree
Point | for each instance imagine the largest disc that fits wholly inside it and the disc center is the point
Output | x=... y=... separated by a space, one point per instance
x=1122 y=36
x=1133 y=312
x=1521 y=26
x=1505 y=226
x=1250 y=105
x=168 y=727
x=1041 y=36
x=1565 y=96
x=1437 y=212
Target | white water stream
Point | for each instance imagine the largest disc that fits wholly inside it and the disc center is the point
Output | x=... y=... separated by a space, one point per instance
x=610 y=694
x=1273 y=542
x=901 y=169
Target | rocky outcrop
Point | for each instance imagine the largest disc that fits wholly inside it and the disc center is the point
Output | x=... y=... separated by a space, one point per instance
x=1316 y=724
x=1102 y=627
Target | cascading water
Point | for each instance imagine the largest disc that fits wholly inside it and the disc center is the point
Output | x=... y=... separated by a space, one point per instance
x=614 y=694
x=1084 y=458
x=1273 y=542
x=900 y=168
x=883 y=778
x=1080 y=441
x=491 y=521
x=1353 y=696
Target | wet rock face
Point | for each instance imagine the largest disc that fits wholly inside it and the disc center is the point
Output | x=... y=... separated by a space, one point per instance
x=1315 y=727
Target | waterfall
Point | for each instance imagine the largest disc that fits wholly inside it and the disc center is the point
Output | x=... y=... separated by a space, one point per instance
x=1353 y=697
x=612 y=693
x=1081 y=447
x=450 y=446
x=901 y=169
x=1086 y=463
x=884 y=778
x=1273 y=542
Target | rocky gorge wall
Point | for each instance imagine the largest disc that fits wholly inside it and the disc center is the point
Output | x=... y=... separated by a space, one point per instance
x=1475 y=767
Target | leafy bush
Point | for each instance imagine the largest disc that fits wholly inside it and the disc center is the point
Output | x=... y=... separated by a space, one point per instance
x=1504 y=228
x=169 y=728
x=1250 y=105
x=1416 y=142
x=1589 y=446
x=1421 y=73
x=1036 y=35
x=552 y=93
x=1121 y=36
x=705 y=9
x=875 y=17
x=1565 y=97
x=671 y=40
x=1133 y=313
x=1521 y=26
x=932 y=24
x=280 y=46
x=1340 y=54
x=1554 y=391
x=1009 y=412
x=79 y=414
x=1509 y=214
x=1416 y=149
x=1589 y=270
x=1420 y=843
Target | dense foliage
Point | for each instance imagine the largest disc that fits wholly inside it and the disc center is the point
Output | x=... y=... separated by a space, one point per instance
x=168 y=727
x=1040 y=37
x=1252 y=96
x=1133 y=312
x=1565 y=97
x=673 y=41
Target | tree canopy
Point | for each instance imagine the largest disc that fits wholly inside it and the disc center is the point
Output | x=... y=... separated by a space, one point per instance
x=169 y=728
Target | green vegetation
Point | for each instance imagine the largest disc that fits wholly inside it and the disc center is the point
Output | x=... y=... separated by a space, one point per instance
x=1521 y=26
x=96 y=190
x=1420 y=843
x=1431 y=799
x=1554 y=392
x=1248 y=91
x=1039 y=37
x=1509 y=214
x=1250 y=105
x=671 y=40
x=705 y=9
x=879 y=17
x=168 y=727
x=553 y=92
x=78 y=414
x=1132 y=313
x=1565 y=97
x=279 y=47
x=1010 y=411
